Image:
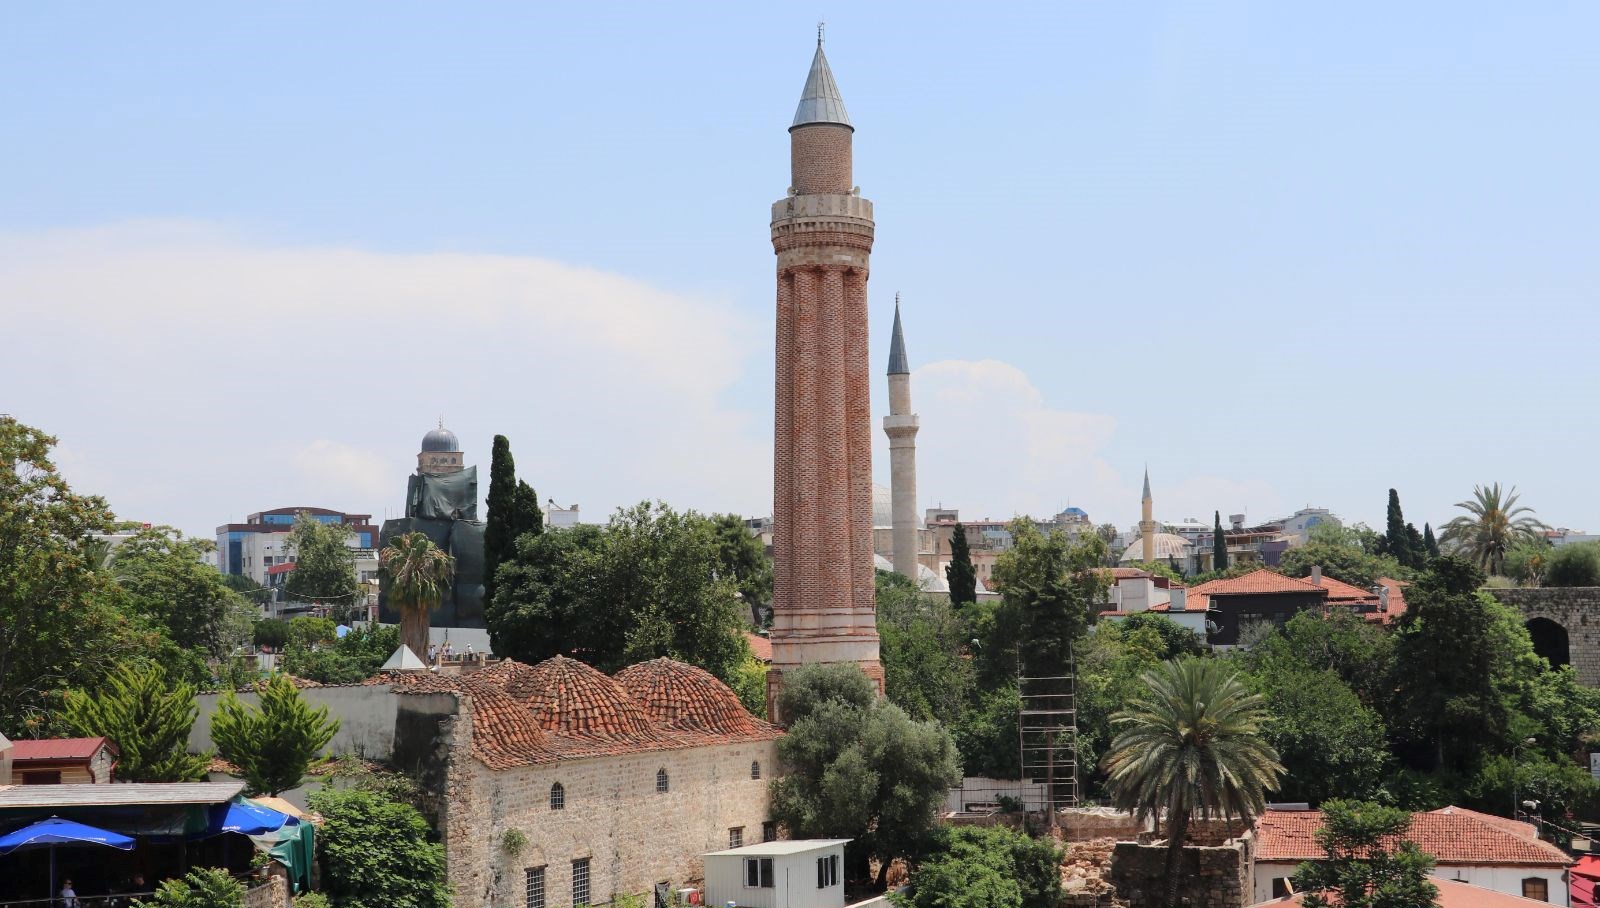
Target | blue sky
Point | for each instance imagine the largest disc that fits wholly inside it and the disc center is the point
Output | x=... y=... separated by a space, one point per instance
x=1286 y=255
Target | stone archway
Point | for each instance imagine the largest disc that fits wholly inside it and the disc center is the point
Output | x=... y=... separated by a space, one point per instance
x=1550 y=641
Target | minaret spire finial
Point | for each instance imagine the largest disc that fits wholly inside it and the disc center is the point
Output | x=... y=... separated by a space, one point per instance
x=821 y=26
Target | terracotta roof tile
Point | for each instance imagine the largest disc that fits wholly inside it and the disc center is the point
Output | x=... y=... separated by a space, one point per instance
x=1458 y=837
x=1339 y=591
x=1397 y=597
x=24 y=749
x=563 y=709
x=760 y=647
x=688 y=698
x=1452 y=894
x=1256 y=583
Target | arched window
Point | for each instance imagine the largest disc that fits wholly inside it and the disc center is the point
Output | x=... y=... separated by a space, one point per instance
x=755 y=769
x=558 y=797
x=661 y=781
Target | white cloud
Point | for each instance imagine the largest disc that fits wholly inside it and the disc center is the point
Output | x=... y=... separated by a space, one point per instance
x=203 y=375
x=990 y=440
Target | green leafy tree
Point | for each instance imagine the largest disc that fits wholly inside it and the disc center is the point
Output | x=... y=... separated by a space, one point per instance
x=1493 y=524
x=959 y=573
x=1111 y=666
x=1330 y=744
x=272 y=743
x=325 y=565
x=1447 y=700
x=921 y=643
x=419 y=573
x=60 y=624
x=1048 y=583
x=205 y=887
x=858 y=766
x=1577 y=564
x=354 y=657
x=164 y=579
x=647 y=585
x=244 y=586
x=1344 y=553
x=375 y=852
x=1191 y=743
x=1219 y=543
x=273 y=632
x=1361 y=654
x=1528 y=562
x=1369 y=863
x=1429 y=543
x=969 y=866
x=743 y=559
x=147 y=719
x=306 y=631
x=986 y=731
x=749 y=681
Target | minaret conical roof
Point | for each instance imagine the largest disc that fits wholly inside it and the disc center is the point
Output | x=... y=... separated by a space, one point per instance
x=898 y=364
x=1146 y=482
x=820 y=102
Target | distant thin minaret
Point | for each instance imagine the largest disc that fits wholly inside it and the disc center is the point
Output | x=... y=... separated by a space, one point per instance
x=901 y=427
x=1147 y=523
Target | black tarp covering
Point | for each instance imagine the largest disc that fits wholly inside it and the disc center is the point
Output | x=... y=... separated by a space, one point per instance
x=445 y=509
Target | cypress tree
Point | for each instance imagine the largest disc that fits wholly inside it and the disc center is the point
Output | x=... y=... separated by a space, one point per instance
x=1416 y=546
x=959 y=572
x=1429 y=542
x=499 y=531
x=1395 y=542
x=526 y=515
x=1219 y=544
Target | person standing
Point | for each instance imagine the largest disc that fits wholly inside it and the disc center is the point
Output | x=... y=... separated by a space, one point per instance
x=69 y=896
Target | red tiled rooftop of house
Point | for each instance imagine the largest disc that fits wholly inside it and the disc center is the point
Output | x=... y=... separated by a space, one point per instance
x=1397 y=596
x=760 y=647
x=1339 y=591
x=1451 y=835
x=1256 y=583
x=25 y=750
x=1452 y=894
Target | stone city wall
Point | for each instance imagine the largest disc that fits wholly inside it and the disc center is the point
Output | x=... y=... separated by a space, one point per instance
x=1577 y=609
x=1209 y=877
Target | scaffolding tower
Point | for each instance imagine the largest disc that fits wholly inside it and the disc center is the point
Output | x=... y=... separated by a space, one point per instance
x=1048 y=728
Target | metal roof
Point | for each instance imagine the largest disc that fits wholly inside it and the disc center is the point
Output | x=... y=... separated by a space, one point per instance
x=820 y=102
x=779 y=848
x=898 y=365
x=23 y=750
x=118 y=794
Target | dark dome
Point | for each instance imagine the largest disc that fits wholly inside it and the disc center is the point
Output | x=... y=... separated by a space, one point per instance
x=440 y=439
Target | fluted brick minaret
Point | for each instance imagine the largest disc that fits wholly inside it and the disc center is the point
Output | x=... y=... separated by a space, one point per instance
x=901 y=427
x=824 y=608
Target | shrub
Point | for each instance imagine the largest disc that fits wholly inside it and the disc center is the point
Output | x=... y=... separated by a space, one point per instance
x=375 y=852
x=204 y=888
x=1574 y=565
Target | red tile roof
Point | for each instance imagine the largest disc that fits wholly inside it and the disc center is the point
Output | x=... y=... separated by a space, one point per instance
x=760 y=647
x=1397 y=597
x=563 y=709
x=686 y=697
x=1452 y=894
x=1341 y=592
x=1256 y=583
x=1452 y=836
x=54 y=749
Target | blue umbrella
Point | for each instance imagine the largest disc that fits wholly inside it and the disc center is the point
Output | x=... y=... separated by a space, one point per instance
x=56 y=831
x=246 y=818
x=341 y=630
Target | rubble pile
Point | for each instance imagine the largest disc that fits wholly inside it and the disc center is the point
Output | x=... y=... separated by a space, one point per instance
x=1086 y=865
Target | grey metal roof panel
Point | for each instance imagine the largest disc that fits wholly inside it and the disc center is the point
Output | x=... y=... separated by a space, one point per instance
x=118 y=794
x=898 y=364
x=820 y=102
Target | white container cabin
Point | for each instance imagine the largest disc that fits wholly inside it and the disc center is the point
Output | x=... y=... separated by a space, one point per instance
x=794 y=873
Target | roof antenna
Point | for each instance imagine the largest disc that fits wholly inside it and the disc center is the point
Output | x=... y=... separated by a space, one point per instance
x=820 y=26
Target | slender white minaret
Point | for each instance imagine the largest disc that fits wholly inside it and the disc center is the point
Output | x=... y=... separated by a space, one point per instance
x=901 y=427
x=1147 y=521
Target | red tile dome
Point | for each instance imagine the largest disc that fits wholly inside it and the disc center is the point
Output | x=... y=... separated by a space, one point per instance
x=571 y=698
x=687 y=698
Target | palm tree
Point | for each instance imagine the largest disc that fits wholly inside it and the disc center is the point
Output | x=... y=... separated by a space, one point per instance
x=1492 y=525
x=419 y=573
x=1191 y=743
